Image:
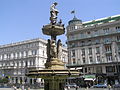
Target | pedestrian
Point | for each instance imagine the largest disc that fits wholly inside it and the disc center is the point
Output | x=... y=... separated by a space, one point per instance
x=28 y=88
x=14 y=88
x=109 y=86
x=68 y=87
x=77 y=87
x=65 y=88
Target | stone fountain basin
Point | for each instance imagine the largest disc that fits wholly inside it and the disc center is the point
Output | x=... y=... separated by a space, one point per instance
x=48 y=73
x=53 y=30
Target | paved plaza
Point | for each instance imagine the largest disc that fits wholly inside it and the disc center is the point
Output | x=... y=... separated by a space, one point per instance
x=71 y=89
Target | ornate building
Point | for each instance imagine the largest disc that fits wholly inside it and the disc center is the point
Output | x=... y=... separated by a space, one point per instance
x=95 y=47
x=17 y=58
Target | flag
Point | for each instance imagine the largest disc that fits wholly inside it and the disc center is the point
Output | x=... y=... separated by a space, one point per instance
x=72 y=11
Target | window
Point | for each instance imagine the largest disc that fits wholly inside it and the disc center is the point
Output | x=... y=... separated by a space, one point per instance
x=26 y=53
x=90 y=51
x=83 y=59
x=110 y=68
x=76 y=27
x=99 y=69
x=43 y=53
x=73 y=45
x=108 y=48
x=118 y=38
x=73 y=53
x=97 y=50
x=97 y=41
x=85 y=70
x=82 y=35
x=83 y=43
x=98 y=58
x=91 y=59
x=74 y=61
x=118 y=27
x=109 y=57
x=106 y=30
x=107 y=40
x=34 y=52
x=21 y=54
x=89 y=42
x=95 y=32
x=17 y=54
x=83 y=51
x=88 y=32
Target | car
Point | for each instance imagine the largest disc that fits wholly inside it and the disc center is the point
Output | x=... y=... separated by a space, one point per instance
x=100 y=86
x=116 y=86
x=72 y=85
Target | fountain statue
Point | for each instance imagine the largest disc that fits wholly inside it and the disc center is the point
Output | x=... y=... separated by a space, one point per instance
x=54 y=74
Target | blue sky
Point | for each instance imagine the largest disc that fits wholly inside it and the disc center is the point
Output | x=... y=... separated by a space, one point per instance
x=23 y=19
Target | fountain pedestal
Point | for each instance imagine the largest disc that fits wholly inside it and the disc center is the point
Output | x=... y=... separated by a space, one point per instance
x=54 y=79
x=54 y=74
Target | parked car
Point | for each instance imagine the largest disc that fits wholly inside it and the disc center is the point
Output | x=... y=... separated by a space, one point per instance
x=100 y=86
x=116 y=86
x=72 y=85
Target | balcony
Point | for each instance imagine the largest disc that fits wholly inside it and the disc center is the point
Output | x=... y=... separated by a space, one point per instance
x=107 y=42
x=94 y=35
x=108 y=52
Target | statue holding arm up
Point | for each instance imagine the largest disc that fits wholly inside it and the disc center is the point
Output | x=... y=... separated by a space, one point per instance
x=53 y=12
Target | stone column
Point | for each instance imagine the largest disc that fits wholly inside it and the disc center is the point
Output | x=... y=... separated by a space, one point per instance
x=14 y=80
x=54 y=83
x=18 y=80
x=113 y=46
x=23 y=80
x=32 y=80
x=28 y=80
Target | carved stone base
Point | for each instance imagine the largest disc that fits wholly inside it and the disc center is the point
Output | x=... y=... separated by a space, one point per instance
x=55 y=63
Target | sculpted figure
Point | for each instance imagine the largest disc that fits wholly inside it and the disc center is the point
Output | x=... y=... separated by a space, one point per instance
x=53 y=49
x=48 y=50
x=53 y=12
x=59 y=49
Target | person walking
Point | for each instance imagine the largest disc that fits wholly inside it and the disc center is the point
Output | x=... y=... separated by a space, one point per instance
x=109 y=86
x=76 y=88
x=14 y=87
x=28 y=88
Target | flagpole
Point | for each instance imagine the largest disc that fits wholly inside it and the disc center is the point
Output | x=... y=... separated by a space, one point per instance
x=73 y=12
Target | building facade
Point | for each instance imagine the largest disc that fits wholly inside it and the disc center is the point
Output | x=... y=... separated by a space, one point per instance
x=95 y=47
x=17 y=58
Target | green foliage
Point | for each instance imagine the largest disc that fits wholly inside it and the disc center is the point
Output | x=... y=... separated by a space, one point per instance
x=4 y=80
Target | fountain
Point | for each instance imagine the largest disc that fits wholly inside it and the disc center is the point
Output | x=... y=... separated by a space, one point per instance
x=54 y=74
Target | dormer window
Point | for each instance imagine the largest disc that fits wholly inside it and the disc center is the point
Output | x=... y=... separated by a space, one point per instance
x=76 y=27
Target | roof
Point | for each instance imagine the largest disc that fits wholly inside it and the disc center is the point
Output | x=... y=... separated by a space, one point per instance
x=102 y=20
x=75 y=20
x=24 y=42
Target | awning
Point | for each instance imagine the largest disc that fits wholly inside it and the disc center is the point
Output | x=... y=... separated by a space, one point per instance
x=89 y=79
x=89 y=76
x=71 y=78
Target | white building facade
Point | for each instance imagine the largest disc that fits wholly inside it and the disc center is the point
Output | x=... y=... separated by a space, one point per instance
x=95 y=46
x=17 y=58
